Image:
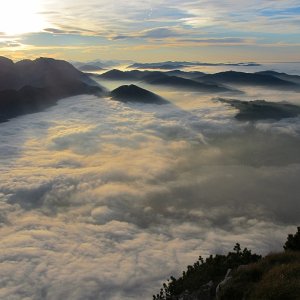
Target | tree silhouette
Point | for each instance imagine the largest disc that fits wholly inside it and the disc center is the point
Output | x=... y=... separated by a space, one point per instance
x=293 y=241
x=213 y=268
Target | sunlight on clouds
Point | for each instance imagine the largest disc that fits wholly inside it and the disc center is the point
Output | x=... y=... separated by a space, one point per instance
x=99 y=29
x=111 y=201
x=18 y=17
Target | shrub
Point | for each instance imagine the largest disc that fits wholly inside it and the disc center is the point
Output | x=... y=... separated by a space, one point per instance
x=213 y=268
x=280 y=282
x=276 y=276
x=293 y=241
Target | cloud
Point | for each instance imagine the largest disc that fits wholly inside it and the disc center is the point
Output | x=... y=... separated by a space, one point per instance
x=154 y=33
x=60 y=31
x=164 y=13
x=161 y=19
x=257 y=15
x=109 y=202
x=218 y=41
x=9 y=44
x=70 y=30
x=159 y=24
x=158 y=33
x=63 y=38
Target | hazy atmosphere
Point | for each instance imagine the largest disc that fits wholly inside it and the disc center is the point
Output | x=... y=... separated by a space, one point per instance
x=190 y=146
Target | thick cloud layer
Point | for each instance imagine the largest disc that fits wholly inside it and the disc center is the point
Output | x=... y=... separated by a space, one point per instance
x=105 y=200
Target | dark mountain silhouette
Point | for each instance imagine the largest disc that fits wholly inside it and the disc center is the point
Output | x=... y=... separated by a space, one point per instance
x=29 y=86
x=8 y=76
x=41 y=72
x=178 y=78
x=187 y=75
x=154 y=75
x=183 y=83
x=32 y=99
x=116 y=74
x=131 y=75
x=133 y=93
x=261 y=109
x=172 y=65
x=242 y=78
x=89 y=68
x=283 y=76
x=139 y=74
x=119 y=75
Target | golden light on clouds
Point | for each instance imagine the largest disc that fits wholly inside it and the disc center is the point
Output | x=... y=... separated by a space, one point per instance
x=18 y=17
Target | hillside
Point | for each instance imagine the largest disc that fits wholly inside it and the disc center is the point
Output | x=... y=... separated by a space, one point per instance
x=183 y=83
x=252 y=79
x=240 y=275
x=133 y=93
x=32 y=85
x=262 y=110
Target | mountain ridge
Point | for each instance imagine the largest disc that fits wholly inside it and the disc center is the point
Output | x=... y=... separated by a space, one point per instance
x=32 y=85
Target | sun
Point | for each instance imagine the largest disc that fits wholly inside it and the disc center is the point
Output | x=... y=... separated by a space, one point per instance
x=21 y=16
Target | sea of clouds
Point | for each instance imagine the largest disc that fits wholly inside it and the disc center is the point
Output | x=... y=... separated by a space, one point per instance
x=105 y=200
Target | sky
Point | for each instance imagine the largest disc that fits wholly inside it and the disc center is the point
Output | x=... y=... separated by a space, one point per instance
x=151 y=30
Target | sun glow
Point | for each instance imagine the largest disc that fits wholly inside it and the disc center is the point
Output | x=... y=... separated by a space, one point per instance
x=18 y=17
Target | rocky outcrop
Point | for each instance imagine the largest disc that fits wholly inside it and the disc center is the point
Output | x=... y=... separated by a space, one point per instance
x=223 y=283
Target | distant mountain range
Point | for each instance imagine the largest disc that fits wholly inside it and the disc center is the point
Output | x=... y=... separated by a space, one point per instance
x=283 y=76
x=183 y=83
x=171 y=65
x=102 y=64
x=29 y=86
x=166 y=79
x=90 y=68
x=120 y=75
x=32 y=85
x=266 y=79
x=207 y=82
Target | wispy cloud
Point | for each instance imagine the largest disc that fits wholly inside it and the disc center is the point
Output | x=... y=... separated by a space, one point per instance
x=153 y=33
x=169 y=23
x=219 y=41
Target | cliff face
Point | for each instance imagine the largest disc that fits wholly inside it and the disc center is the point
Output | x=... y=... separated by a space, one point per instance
x=29 y=86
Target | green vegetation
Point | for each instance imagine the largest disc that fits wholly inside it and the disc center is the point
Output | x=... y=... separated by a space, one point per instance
x=213 y=269
x=276 y=276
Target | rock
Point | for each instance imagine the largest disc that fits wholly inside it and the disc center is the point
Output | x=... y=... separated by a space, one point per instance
x=222 y=283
